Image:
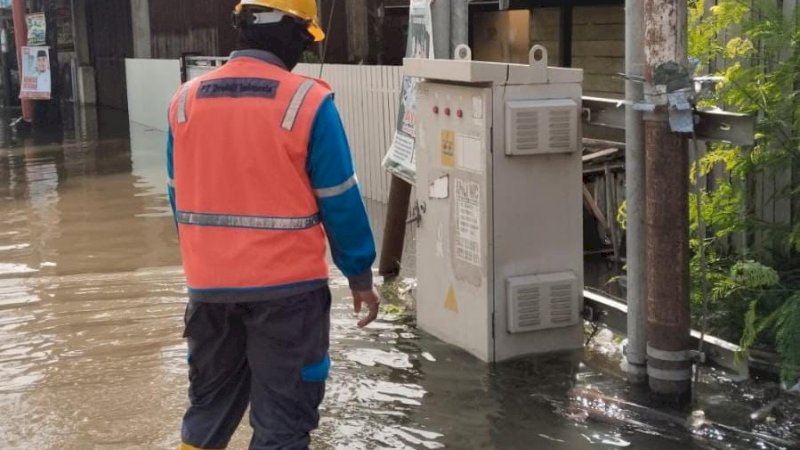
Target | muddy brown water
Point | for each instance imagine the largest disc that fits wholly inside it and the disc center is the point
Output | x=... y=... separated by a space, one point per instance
x=91 y=355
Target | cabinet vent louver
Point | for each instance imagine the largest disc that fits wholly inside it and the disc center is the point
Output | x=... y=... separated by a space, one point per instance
x=536 y=127
x=540 y=302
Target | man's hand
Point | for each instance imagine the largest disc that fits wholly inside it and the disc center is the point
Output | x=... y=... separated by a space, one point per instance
x=371 y=300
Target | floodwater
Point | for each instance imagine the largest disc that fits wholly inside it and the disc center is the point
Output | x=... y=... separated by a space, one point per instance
x=91 y=355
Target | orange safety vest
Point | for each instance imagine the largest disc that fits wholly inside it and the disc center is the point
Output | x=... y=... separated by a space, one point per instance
x=246 y=211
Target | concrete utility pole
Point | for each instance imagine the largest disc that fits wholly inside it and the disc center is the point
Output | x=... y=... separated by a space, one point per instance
x=669 y=365
x=459 y=24
x=47 y=114
x=21 y=40
x=636 y=350
x=440 y=13
x=140 y=23
x=358 y=31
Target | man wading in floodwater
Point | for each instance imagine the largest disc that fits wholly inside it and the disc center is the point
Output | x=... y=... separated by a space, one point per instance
x=260 y=170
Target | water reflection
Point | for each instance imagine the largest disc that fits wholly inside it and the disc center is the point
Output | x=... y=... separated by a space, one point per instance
x=91 y=355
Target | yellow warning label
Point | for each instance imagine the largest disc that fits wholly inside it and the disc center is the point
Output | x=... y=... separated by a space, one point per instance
x=448 y=148
x=450 y=303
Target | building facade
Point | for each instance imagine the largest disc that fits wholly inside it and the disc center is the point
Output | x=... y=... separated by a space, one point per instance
x=92 y=38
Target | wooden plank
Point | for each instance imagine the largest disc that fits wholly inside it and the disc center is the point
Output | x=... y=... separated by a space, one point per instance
x=603 y=83
x=600 y=154
x=590 y=202
x=599 y=65
x=599 y=48
x=611 y=209
x=546 y=24
x=598 y=32
x=586 y=15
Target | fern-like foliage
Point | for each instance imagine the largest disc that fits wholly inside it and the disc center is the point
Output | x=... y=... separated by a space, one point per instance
x=755 y=299
x=788 y=336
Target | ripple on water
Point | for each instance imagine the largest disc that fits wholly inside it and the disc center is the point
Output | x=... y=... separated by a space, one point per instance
x=15 y=269
x=388 y=392
x=6 y=248
x=371 y=357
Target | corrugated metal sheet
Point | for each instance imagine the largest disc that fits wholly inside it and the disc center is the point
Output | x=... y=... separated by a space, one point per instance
x=367 y=98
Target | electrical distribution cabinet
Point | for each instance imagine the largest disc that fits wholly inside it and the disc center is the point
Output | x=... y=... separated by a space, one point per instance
x=499 y=193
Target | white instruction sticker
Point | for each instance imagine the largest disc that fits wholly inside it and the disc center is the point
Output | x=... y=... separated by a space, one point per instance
x=468 y=222
x=469 y=153
x=440 y=188
x=477 y=107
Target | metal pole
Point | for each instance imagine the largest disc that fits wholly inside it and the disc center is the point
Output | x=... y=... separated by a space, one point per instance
x=669 y=366
x=21 y=40
x=459 y=23
x=636 y=350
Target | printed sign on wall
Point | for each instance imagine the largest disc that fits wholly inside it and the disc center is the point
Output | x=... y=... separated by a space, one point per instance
x=37 y=29
x=401 y=158
x=35 y=73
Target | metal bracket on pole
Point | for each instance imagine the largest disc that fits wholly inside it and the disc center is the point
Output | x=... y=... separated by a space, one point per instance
x=711 y=125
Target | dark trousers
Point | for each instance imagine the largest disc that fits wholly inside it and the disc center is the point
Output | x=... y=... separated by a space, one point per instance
x=272 y=355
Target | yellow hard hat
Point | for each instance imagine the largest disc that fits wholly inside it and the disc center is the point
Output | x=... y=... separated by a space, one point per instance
x=302 y=9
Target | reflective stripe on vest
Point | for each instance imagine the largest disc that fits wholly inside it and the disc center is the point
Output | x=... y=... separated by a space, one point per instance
x=255 y=222
x=182 y=115
x=297 y=101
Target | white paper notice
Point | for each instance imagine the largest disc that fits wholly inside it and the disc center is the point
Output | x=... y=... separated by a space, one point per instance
x=477 y=107
x=468 y=222
x=440 y=188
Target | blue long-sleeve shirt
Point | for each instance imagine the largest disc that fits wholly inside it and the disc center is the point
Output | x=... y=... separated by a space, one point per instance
x=332 y=173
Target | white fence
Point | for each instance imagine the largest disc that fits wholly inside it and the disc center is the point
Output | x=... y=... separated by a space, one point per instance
x=367 y=98
x=151 y=83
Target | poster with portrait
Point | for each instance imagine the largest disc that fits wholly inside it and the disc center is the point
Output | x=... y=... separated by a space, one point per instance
x=401 y=157
x=37 y=29
x=36 y=82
